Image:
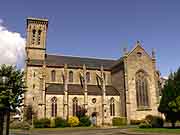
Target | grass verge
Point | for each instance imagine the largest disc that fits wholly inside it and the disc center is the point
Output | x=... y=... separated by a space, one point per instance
x=155 y=130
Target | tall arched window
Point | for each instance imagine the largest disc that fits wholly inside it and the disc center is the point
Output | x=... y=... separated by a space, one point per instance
x=112 y=107
x=54 y=107
x=39 y=37
x=88 y=77
x=70 y=76
x=53 y=75
x=142 y=89
x=75 y=106
x=33 y=36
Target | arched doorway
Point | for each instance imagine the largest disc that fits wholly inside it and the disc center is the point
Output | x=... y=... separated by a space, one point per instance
x=94 y=118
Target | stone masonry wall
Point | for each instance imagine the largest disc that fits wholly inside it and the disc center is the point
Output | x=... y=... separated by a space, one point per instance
x=144 y=62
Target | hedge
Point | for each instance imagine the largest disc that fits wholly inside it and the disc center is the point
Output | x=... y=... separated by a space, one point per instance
x=20 y=125
x=85 y=121
x=118 y=121
x=60 y=122
x=42 y=123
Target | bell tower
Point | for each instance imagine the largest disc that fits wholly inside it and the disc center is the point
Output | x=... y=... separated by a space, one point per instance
x=36 y=38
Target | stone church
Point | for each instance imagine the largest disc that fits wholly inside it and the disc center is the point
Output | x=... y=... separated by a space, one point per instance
x=58 y=86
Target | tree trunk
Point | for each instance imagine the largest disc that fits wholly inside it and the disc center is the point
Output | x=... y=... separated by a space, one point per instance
x=1 y=122
x=7 y=122
x=173 y=124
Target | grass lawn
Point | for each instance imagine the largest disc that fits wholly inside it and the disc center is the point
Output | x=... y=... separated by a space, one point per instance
x=156 y=130
x=65 y=128
x=56 y=129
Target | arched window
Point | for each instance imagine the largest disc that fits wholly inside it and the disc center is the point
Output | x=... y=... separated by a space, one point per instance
x=33 y=86
x=39 y=37
x=88 y=77
x=54 y=107
x=70 y=76
x=75 y=106
x=33 y=36
x=112 y=107
x=53 y=75
x=142 y=89
x=34 y=75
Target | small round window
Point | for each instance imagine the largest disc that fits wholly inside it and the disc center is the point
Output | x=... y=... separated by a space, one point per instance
x=94 y=100
x=139 y=54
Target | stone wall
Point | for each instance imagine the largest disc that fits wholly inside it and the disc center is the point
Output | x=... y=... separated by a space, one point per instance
x=76 y=77
x=118 y=82
x=138 y=59
x=92 y=107
x=34 y=95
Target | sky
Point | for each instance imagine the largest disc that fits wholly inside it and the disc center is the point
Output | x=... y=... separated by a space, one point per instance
x=95 y=28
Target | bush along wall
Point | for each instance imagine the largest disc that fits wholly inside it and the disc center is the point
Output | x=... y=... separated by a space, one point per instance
x=60 y=122
x=73 y=121
x=20 y=125
x=42 y=123
x=152 y=122
x=136 y=122
x=119 y=121
x=85 y=121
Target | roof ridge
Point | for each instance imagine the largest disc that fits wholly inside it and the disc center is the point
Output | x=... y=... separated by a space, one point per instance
x=83 y=57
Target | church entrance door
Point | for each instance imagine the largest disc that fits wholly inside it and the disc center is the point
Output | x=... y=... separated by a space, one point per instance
x=94 y=119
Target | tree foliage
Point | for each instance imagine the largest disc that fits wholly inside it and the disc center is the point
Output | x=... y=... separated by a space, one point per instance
x=81 y=112
x=11 y=91
x=170 y=101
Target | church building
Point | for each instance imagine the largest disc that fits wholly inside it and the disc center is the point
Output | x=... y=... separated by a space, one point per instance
x=58 y=86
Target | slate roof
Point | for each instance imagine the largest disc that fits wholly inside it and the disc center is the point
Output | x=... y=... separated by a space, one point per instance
x=76 y=89
x=74 y=62
x=54 y=60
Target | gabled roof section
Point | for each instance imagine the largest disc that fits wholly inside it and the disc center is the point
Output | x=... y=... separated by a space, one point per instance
x=74 y=62
x=138 y=44
x=119 y=61
x=76 y=89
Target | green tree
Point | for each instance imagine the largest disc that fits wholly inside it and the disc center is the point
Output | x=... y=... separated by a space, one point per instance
x=11 y=92
x=170 y=101
x=81 y=112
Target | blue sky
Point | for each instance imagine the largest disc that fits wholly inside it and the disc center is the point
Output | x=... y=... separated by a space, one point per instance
x=102 y=28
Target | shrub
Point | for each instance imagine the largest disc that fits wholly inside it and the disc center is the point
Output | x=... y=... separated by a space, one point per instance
x=81 y=112
x=60 y=122
x=118 y=121
x=154 y=121
x=73 y=121
x=52 y=123
x=145 y=124
x=149 y=118
x=157 y=122
x=42 y=123
x=85 y=121
x=20 y=125
x=136 y=122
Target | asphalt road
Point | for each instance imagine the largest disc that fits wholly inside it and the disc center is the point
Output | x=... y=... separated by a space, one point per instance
x=70 y=132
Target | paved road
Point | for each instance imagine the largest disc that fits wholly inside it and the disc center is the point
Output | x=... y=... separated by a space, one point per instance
x=71 y=132
x=83 y=131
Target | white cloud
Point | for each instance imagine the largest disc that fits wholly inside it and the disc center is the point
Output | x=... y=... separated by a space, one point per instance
x=1 y=21
x=12 y=46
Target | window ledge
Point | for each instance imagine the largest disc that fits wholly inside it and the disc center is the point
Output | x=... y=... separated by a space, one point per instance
x=144 y=109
